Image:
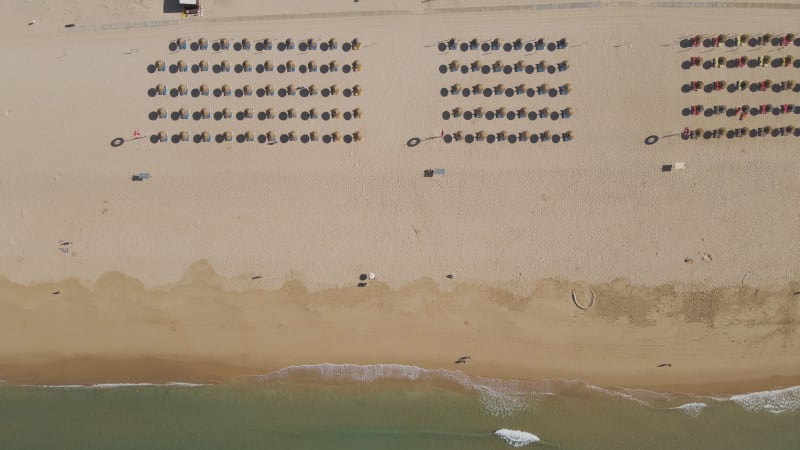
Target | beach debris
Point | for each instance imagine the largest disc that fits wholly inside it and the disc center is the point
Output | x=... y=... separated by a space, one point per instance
x=371 y=276
x=671 y=167
x=256 y=277
x=462 y=360
x=55 y=292
x=140 y=176
x=707 y=257
x=32 y=22
x=69 y=25
x=362 y=284
x=688 y=261
x=664 y=365
x=796 y=293
x=450 y=276
x=577 y=303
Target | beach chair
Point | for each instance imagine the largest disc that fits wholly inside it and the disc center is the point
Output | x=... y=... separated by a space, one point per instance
x=544 y=113
x=438 y=171
x=333 y=66
x=205 y=136
x=539 y=44
x=496 y=43
x=522 y=136
x=541 y=89
x=564 y=89
x=183 y=113
x=567 y=136
x=428 y=173
x=202 y=44
x=561 y=44
x=452 y=44
x=473 y=44
x=541 y=66
x=544 y=136
x=290 y=66
x=140 y=176
x=562 y=66
x=566 y=113
x=517 y=44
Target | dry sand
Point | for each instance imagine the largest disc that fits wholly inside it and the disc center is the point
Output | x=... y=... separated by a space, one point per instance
x=508 y=220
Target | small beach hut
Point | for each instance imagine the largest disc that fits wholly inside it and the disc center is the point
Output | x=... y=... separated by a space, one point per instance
x=161 y=66
x=204 y=89
x=203 y=64
x=226 y=113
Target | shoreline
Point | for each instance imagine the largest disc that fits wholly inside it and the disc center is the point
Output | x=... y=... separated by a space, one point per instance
x=717 y=340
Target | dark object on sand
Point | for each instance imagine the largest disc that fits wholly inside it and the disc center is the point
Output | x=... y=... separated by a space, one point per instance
x=462 y=360
x=69 y=25
x=664 y=365
x=55 y=292
x=362 y=284
x=257 y=277
x=450 y=276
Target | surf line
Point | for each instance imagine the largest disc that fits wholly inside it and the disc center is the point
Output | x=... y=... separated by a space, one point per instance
x=578 y=304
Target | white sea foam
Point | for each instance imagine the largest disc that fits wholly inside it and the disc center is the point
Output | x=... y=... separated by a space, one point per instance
x=693 y=409
x=516 y=438
x=111 y=385
x=775 y=402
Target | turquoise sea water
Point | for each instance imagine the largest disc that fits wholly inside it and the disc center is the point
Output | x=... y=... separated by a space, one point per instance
x=389 y=407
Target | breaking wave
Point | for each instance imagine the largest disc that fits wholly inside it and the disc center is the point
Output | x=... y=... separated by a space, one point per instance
x=516 y=438
x=693 y=409
x=776 y=402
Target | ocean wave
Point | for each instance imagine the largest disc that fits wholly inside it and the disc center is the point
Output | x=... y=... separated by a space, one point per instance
x=113 y=385
x=693 y=409
x=776 y=402
x=516 y=438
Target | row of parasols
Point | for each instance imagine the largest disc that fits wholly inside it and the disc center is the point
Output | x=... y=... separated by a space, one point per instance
x=496 y=44
x=740 y=132
x=501 y=89
x=268 y=90
x=509 y=114
x=247 y=44
x=741 y=62
x=740 y=40
x=246 y=66
x=505 y=136
x=741 y=85
x=269 y=137
x=266 y=114
x=500 y=67
x=740 y=111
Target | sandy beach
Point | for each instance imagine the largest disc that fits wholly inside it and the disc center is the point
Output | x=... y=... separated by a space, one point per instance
x=239 y=258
